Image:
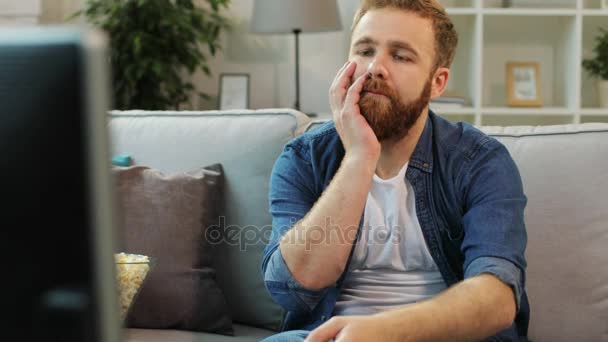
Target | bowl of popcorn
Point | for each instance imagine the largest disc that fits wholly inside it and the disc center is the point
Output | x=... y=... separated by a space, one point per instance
x=131 y=271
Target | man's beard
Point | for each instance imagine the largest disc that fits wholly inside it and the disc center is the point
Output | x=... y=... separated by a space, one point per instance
x=389 y=117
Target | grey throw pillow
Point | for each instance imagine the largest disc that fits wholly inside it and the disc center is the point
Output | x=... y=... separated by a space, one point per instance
x=166 y=217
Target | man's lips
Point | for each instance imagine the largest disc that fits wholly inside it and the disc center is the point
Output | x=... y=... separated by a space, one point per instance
x=375 y=93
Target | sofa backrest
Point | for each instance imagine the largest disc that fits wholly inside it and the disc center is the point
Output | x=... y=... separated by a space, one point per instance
x=565 y=174
x=564 y=170
x=246 y=143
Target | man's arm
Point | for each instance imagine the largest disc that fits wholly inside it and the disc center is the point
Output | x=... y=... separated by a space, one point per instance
x=316 y=250
x=471 y=310
x=312 y=237
x=494 y=243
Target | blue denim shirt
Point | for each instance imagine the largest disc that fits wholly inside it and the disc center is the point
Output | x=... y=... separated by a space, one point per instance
x=469 y=202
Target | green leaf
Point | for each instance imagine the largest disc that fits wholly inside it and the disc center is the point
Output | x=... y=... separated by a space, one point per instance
x=152 y=44
x=205 y=97
x=136 y=44
x=157 y=68
x=598 y=65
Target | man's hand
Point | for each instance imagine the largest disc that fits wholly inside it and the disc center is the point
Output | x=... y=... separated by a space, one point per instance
x=485 y=306
x=352 y=329
x=357 y=136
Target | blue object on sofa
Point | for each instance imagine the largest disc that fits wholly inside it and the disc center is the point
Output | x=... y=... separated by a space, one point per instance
x=121 y=160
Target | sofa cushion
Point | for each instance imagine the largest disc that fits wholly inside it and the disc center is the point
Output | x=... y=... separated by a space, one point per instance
x=166 y=218
x=242 y=333
x=565 y=174
x=247 y=144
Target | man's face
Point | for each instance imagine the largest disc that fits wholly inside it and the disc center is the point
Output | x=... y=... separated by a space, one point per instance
x=397 y=48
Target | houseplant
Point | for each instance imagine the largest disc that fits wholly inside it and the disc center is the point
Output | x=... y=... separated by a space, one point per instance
x=598 y=66
x=154 y=44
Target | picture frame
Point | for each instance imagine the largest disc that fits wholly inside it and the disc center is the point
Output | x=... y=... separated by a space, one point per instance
x=524 y=84
x=233 y=91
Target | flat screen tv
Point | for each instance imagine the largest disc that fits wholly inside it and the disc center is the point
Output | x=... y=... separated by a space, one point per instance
x=58 y=221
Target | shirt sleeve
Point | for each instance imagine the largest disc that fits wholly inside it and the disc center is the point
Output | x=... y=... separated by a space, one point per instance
x=291 y=196
x=503 y=269
x=495 y=235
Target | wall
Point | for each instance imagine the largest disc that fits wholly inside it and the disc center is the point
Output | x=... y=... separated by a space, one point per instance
x=57 y=11
x=32 y=12
x=19 y=12
x=270 y=61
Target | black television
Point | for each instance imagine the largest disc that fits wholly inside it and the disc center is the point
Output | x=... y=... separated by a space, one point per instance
x=58 y=218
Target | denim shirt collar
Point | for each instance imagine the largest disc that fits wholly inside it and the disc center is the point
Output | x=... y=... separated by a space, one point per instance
x=422 y=158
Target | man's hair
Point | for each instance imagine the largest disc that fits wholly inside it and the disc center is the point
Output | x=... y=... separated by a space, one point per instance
x=446 y=38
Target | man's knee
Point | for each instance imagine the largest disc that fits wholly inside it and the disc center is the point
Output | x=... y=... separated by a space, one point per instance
x=288 y=336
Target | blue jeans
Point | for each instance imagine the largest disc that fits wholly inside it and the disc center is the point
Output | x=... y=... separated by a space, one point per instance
x=288 y=336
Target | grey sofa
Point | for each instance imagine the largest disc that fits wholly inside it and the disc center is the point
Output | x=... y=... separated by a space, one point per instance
x=564 y=170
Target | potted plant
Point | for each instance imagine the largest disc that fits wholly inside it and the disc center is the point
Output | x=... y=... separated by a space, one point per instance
x=154 y=44
x=598 y=66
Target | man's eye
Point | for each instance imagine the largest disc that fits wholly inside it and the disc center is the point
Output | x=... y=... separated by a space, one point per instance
x=366 y=53
x=400 y=58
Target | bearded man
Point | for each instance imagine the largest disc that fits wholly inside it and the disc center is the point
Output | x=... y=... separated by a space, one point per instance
x=389 y=222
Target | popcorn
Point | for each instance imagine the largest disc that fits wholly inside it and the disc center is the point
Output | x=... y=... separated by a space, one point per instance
x=131 y=270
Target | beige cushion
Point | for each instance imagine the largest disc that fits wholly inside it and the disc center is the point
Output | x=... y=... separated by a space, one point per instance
x=246 y=143
x=166 y=217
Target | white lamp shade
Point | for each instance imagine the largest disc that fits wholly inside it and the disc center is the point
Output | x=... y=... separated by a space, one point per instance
x=284 y=16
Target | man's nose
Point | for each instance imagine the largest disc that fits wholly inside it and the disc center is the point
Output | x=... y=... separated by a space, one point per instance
x=376 y=69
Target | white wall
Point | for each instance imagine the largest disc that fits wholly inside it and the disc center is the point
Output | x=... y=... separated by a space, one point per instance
x=57 y=11
x=33 y=12
x=270 y=61
x=19 y=12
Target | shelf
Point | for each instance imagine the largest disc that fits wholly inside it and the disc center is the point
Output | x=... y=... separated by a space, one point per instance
x=529 y=4
x=469 y=118
x=461 y=11
x=457 y=3
x=519 y=39
x=594 y=118
x=592 y=4
x=594 y=112
x=542 y=111
x=451 y=111
x=526 y=120
x=545 y=12
x=595 y=12
x=556 y=34
x=464 y=67
x=591 y=25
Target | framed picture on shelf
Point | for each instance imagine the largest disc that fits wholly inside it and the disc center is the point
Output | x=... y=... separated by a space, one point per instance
x=234 y=91
x=523 y=84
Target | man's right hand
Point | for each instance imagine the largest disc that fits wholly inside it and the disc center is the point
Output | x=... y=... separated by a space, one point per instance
x=357 y=136
x=317 y=261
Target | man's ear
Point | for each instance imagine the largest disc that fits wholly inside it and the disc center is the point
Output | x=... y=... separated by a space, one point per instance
x=439 y=81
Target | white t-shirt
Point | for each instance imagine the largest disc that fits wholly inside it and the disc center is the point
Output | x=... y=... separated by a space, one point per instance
x=391 y=264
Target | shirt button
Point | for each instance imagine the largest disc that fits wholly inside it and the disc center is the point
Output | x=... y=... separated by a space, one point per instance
x=323 y=318
x=426 y=165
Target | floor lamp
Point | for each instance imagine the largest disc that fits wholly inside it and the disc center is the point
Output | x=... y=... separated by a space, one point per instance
x=296 y=17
